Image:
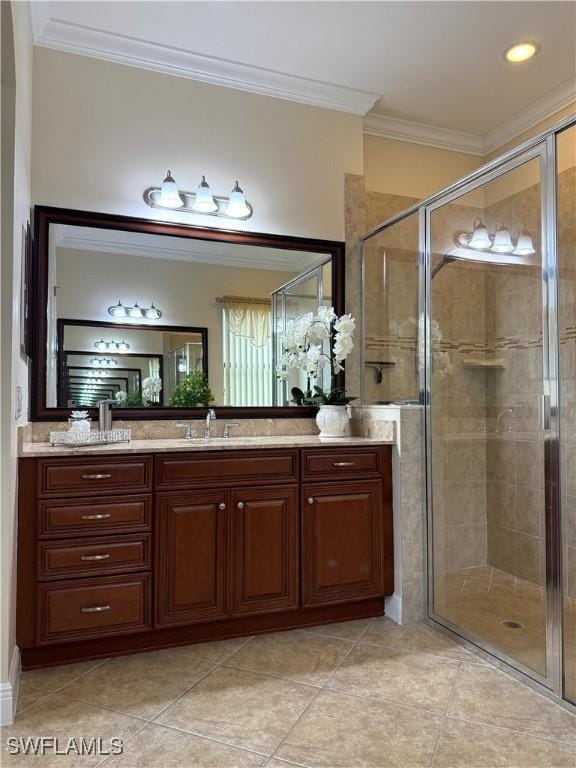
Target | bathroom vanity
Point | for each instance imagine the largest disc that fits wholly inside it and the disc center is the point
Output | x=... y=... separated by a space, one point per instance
x=168 y=542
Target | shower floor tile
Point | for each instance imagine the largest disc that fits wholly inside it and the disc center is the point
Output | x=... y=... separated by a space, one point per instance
x=505 y=611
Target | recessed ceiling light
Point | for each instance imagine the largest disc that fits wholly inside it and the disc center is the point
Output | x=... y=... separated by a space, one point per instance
x=521 y=52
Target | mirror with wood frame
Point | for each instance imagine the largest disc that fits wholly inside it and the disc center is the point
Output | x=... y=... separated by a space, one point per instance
x=169 y=319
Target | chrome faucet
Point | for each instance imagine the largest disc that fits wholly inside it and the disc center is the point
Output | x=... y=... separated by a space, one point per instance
x=105 y=415
x=209 y=416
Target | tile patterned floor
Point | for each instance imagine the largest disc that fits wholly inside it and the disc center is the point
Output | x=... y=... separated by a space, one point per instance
x=363 y=693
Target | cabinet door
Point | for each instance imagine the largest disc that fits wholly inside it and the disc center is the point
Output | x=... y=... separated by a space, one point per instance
x=190 y=557
x=264 y=550
x=343 y=543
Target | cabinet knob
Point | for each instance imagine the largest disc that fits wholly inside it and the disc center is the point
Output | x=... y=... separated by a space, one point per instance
x=310 y=499
x=221 y=506
x=240 y=505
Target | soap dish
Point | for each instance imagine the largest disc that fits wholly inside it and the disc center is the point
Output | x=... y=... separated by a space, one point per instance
x=94 y=437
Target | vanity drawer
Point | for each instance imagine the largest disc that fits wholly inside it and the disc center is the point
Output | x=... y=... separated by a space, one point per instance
x=337 y=463
x=75 y=610
x=221 y=469
x=86 y=476
x=70 y=517
x=90 y=557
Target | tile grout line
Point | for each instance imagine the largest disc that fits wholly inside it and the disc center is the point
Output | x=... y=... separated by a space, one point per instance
x=533 y=735
x=124 y=742
x=445 y=717
x=322 y=688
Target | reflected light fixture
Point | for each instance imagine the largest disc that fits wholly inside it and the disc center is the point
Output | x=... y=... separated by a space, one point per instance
x=103 y=362
x=520 y=52
x=524 y=246
x=500 y=243
x=135 y=312
x=480 y=238
x=111 y=346
x=202 y=200
x=502 y=240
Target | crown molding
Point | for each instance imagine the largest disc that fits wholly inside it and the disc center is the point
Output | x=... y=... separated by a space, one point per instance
x=86 y=41
x=474 y=144
x=39 y=16
x=418 y=133
x=539 y=110
x=180 y=250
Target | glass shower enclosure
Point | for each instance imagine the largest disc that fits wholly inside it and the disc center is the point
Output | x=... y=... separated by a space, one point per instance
x=476 y=295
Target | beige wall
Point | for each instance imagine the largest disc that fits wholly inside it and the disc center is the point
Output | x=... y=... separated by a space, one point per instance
x=14 y=369
x=105 y=132
x=413 y=170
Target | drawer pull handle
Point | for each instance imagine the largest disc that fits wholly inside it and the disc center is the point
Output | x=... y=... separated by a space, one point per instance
x=99 y=476
x=310 y=499
x=94 y=557
x=221 y=506
x=100 y=516
x=95 y=609
x=343 y=464
x=240 y=505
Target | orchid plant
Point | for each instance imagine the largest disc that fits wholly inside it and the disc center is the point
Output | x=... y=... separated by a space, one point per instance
x=151 y=388
x=312 y=342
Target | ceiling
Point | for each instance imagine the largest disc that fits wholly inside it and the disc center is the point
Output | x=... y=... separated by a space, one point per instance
x=433 y=71
x=215 y=253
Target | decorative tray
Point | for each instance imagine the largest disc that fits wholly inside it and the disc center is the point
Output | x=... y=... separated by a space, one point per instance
x=94 y=437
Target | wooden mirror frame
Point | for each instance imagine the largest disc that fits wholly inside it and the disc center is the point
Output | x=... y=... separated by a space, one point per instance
x=44 y=216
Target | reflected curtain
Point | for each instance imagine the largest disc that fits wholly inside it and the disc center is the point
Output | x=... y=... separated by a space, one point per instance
x=248 y=318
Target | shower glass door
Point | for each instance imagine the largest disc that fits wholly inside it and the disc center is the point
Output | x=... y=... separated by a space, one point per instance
x=488 y=418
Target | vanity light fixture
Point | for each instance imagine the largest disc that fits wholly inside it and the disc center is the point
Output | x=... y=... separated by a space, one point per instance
x=520 y=52
x=135 y=312
x=501 y=242
x=169 y=195
x=111 y=346
x=103 y=362
x=204 y=202
x=201 y=201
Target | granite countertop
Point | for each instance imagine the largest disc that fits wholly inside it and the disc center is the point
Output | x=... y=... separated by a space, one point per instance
x=35 y=450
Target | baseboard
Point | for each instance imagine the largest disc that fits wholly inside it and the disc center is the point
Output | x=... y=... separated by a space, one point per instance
x=393 y=608
x=9 y=690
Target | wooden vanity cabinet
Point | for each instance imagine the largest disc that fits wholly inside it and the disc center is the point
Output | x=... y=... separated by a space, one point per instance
x=191 y=539
x=342 y=541
x=133 y=552
x=264 y=550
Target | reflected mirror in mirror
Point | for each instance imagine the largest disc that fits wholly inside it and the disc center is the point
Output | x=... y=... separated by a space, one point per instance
x=159 y=321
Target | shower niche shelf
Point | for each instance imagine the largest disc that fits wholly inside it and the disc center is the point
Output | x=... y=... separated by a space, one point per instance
x=483 y=362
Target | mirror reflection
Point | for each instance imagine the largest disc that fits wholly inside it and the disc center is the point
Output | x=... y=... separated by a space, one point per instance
x=158 y=321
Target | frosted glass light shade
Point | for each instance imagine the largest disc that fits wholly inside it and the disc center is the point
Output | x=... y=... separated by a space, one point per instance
x=480 y=238
x=502 y=241
x=204 y=202
x=524 y=246
x=169 y=194
x=152 y=313
x=118 y=310
x=134 y=311
x=237 y=207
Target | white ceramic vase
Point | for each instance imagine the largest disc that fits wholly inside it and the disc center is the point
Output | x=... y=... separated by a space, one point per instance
x=333 y=421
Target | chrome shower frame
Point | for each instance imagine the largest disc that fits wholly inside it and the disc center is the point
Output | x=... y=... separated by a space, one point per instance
x=543 y=148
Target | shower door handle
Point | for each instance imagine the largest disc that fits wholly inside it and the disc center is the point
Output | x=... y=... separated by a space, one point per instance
x=545 y=412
